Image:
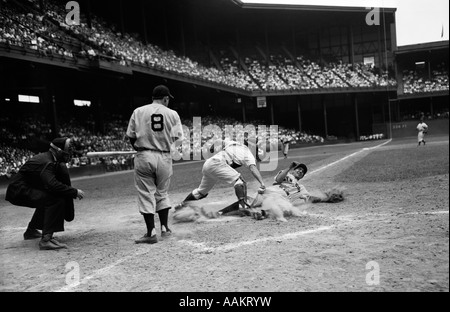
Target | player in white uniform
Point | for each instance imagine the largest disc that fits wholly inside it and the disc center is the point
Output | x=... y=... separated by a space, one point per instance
x=422 y=128
x=285 y=141
x=288 y=180
x=286 y=184
x=222 y=167
x=152 y=131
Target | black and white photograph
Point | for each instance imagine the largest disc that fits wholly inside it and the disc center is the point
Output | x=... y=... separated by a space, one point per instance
x=215 y=154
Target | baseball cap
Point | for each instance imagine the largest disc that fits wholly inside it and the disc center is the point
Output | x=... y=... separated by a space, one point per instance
x=303 y=166
x=63 y=144
x=161 y=91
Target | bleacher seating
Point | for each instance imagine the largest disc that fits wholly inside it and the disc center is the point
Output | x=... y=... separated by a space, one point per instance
x=101 y=40
x=14 y=134
x=417 y=82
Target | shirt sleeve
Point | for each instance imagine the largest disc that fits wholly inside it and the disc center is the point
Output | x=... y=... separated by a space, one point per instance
x=177 y=129
x=131 y=131
x=275 y=179
x=249 y=159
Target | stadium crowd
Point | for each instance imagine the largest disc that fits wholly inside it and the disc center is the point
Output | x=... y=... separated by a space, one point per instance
x=12 y=137
x=100 y=40
x=415 y=81
x=48 y=34
x=31 y=30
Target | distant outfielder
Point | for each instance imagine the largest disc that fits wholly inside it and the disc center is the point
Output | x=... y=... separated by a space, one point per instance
x=422 y=129
x=285 y=141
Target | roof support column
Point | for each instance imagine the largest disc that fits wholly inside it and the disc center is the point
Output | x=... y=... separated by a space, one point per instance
x=355 y=104
x=325 y=121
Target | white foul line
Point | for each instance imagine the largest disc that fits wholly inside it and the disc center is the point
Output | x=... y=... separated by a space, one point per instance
x=231 y=246
x=99 y=272
x=348 y=156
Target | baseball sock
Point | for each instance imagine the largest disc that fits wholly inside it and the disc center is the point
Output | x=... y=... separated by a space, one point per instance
x=149 y=222
x=163 y=218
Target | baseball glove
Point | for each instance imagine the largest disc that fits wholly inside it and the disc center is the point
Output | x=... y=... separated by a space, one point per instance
x=334 y=195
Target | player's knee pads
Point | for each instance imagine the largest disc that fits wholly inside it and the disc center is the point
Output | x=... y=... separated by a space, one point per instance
x=240 y=188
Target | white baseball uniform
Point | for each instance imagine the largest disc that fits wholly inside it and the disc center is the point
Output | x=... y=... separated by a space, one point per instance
x=292 y=187
x=221 y=166
x=155 y=128
x=421 y=127
x=285 y=141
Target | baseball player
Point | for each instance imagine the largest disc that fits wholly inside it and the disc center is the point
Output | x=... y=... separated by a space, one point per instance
x=286 y=183
x=422 y=129
x=152 y=130
x=285 y=141
x=222 y=167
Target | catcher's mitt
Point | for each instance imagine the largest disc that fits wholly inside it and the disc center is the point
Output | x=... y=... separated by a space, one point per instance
x=334 y=195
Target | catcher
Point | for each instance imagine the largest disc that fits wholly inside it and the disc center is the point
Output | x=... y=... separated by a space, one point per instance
x=222 y=167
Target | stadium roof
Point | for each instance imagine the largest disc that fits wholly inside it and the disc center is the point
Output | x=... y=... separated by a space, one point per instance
x=304 y=7
x=421 y=47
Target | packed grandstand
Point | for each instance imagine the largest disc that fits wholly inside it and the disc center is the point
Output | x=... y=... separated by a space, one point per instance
x=24 y=25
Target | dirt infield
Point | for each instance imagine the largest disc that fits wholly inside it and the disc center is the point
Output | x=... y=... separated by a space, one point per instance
x=390 y=233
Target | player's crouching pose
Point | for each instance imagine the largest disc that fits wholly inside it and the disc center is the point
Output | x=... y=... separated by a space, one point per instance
x=221 y=167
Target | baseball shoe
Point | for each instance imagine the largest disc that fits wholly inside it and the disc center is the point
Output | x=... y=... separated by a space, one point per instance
x=244 y=212
x=54 y=241
x=257 y=215
x=166 y=233
x=147 y=239
x=314 y=199
x=31 y=234
x=49 y=245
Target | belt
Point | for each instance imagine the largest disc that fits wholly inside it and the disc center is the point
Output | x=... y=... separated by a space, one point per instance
x=141 y=149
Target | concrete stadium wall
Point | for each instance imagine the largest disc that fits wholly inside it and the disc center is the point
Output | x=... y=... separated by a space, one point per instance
x=408 y=128
x=74 y=173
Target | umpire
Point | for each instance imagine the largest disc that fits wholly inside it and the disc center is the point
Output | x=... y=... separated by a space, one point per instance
x=43 y=182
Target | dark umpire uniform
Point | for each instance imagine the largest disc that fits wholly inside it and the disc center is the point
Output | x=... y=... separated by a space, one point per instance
x=43 y=182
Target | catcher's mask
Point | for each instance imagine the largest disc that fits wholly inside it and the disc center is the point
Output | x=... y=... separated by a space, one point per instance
x=63 y=148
